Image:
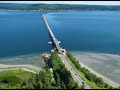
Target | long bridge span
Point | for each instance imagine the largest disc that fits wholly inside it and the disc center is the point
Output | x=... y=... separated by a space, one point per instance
x=55 y=41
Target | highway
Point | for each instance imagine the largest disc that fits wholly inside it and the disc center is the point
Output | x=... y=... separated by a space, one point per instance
x=76 y=77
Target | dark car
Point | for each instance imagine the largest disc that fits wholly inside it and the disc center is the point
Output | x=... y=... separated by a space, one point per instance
x=82 y=82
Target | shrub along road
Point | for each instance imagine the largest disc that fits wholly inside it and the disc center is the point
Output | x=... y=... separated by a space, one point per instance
x=75 y=75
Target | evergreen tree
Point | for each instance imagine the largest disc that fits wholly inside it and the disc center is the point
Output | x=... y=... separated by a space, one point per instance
x=83 y=86
x=63 y=85
x=58 y=80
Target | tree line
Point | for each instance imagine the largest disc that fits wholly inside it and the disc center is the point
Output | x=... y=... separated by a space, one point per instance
x=90 y=76
x=62 y=76
x=58 y=7
x=61 y=79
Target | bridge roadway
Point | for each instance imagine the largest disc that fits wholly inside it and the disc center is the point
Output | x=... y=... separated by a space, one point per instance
x=55 y=41
x=75 y=75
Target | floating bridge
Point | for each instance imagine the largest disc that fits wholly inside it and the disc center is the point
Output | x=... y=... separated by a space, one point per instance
x=55 y=41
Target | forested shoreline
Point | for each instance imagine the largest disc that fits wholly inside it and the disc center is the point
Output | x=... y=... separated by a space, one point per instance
x=11 y=6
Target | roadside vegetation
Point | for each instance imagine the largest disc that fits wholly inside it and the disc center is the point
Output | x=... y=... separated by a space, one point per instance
x=62 y=76
x=94 y=81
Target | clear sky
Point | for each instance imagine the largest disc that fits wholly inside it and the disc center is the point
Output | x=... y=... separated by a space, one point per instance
x=67 y=2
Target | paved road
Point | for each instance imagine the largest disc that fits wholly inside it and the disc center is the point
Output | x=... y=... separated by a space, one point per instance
x=75 y=75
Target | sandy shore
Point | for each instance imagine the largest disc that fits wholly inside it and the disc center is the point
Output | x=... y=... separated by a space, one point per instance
x=107 y=80
x=29 y=68
x=101 y=64
x=29 y=59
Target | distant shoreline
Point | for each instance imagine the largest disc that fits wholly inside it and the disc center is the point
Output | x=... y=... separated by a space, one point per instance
x=56 y=10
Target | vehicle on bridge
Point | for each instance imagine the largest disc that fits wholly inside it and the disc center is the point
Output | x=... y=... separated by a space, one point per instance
x=49 y=42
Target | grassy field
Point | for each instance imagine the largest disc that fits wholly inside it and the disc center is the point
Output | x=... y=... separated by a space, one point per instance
x=13 y=77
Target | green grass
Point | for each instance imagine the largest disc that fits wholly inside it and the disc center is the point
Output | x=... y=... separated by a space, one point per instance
x=92 y=84
x=12 y=80
x=15 y=76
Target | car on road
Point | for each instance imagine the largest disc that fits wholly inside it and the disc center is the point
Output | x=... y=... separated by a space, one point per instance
x=82 y=82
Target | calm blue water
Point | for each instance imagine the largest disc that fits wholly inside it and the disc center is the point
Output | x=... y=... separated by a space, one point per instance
x=97 y=31
x=24 y=32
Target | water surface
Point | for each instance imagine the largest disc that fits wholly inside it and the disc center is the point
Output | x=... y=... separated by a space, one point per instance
x=97 y=31
x=24 y=32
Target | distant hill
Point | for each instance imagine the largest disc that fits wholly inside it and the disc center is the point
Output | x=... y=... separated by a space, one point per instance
x=16 y=6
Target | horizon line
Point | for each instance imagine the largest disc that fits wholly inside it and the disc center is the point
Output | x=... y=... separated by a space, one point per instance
x=65 y=2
